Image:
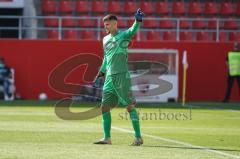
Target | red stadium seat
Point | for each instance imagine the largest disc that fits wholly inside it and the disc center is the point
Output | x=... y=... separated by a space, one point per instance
x=130 y=7
x=211 y=8
x=70 y=34
x=169 y=36
x=234 y=36
x=212 y=24
x=186 y=36
x=147 y=7
x=68 y=21
x=195 y=7
x=50 y=21
x=184 y=24
x=230 y=24
x=86 y=21
x=66 y=6
x=150 y=23
x=130 y=22
x=199 y=24
x=162 y=7
x=142 y=36
x=153 y=35
x=98 y=6
x=49 y=6
x=178 y=7
x=88 y=35
x=223 y=36
x=114 y=6
x=238 y=8
x=203 y=36
x=122 y=23
x=52 y=34
x=82 y=6
x=226 y=8
x=166 y=23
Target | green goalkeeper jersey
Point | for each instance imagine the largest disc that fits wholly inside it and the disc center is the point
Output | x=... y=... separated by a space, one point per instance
x=116 y=50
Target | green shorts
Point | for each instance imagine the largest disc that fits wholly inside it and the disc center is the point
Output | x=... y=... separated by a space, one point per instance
x=117 y=90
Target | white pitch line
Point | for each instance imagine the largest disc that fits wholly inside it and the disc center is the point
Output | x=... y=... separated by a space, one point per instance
x=180 y=143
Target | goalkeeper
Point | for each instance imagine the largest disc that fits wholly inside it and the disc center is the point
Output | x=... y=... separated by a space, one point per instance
x=117 y=85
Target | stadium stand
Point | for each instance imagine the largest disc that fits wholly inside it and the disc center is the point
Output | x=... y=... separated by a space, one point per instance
x=70 y=34
x=195 y=8
x=186 y=36
x=162 y=8
x=52 y=34
x=66 y=7
x=82 y=7
x=162 y=17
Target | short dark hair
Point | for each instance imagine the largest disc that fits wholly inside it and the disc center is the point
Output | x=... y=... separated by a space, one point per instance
x=110 y=17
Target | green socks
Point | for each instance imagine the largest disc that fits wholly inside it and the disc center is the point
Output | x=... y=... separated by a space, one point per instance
x=106 y=122
x=135 y=122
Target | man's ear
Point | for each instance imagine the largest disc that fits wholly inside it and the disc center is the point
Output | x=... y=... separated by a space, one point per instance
x=115 y=23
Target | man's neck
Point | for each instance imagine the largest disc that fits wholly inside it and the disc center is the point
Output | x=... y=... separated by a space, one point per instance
x=114 y=32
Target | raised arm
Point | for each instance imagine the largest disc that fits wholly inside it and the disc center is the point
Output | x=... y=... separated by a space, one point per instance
x=136 y=25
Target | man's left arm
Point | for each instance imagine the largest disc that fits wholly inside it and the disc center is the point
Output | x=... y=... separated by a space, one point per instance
x=136 y=25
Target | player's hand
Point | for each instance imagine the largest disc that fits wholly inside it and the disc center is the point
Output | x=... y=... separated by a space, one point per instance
x=139 y=15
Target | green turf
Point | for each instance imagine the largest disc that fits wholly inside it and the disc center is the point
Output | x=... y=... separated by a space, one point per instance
x=30 y=132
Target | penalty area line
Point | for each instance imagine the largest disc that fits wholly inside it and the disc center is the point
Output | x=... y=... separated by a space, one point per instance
x=179 y=142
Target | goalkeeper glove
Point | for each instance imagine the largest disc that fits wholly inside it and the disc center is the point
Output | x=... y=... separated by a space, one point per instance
x=139 y=15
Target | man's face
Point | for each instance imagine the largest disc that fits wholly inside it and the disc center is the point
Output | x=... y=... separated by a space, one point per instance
x=110 y=25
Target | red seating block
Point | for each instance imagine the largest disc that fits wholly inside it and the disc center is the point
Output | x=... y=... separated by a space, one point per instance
x=51 y=21
x=230 y=24
x=203 y=36
x=198 y=24
x=49 y=6
x=68 y=21
x=234 y=36
x=153 y=35
x=88 y=35
x=52 y=34
x=150 y=23
x=166 y=23
x=162 y=7
x=169 y=36
x=130 y=7
x=195 y=7
x=98 y=6
x=70 y=34
x=66 y=6
x=82 y=6
x=178 y=7
x=114 y=6
x=186 y=36
x=147 y=7
x=211 y=8
x=86 y=21
x=226 y=8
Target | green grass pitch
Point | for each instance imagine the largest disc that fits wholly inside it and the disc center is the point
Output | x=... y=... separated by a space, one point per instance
x=31 y=130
